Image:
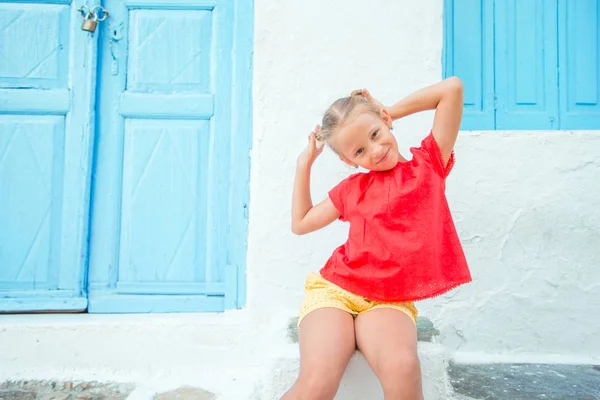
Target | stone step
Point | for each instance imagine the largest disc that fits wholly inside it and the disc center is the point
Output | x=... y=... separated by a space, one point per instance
x=278 y=371
x=359 y=381
x=525 y=381
x=215 y=356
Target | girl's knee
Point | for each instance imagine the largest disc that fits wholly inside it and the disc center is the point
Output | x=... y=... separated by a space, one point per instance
x=400 y=375
x=317 y=385
x=400 y=363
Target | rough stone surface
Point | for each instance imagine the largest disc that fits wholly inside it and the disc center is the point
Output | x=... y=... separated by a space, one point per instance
x=526 y=381
x=425 y=330
x=293 y=330
x=16 y=395
x=56 y=396
x=186 y=393
x=53 y=390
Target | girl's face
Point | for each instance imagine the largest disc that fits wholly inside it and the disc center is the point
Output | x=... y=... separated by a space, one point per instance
x=366 y=141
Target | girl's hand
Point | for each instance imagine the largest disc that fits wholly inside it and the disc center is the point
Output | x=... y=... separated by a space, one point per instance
x=312 y=150
x=367 y=95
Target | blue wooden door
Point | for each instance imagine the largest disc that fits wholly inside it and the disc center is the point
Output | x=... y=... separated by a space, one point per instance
x=46 y=115
x=169 y=199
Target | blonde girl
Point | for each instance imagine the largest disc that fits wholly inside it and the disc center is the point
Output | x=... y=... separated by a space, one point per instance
x=402 y=244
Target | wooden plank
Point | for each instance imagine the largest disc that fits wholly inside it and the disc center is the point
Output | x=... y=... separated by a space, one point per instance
x=170 y=106
x=35 y=101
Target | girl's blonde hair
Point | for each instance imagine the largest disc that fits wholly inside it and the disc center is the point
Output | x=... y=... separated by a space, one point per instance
x=341 y=111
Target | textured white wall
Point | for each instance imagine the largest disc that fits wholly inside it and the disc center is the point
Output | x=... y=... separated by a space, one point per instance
x=525 y=203
x=526 y=207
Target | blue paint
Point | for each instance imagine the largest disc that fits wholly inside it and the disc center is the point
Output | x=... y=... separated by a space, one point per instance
x=45 y=153
x=217 y=245
x=34 y=101
x=215 y=288
x=166 y=106
x=42 y=1
x=174 y=4
x=241 y=144
x=526 y=73
x=157 y=221
x=108 y=302
x=169 y=196
x=173 y=70
x=163 y=221
x=525 y=64
x=468 y=54
x=579 y=64
x=43 y=302
x=44 y=65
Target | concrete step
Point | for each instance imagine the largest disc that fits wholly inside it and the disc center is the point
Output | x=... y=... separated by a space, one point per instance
x=274 y=374
x=215 y=355
x=359 y=381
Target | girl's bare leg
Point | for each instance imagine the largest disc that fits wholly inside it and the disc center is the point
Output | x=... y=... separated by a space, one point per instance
x=388 y=339
x=326 y=345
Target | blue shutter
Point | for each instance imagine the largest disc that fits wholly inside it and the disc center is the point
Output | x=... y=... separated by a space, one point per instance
x=526 y=64
x=579 y=64
x=468 y=54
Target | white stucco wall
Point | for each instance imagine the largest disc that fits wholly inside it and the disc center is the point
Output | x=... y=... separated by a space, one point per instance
x=525 y=202
x=526 y=207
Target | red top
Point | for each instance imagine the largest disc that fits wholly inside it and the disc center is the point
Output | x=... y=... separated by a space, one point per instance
x=402 y=244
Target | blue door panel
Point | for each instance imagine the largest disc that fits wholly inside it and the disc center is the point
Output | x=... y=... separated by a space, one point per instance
x=526 y=59
x=471 y=25
x=163 y=208
x=164 y=191
x=32 y=149
x=45 y=136
x=45 y=64
x=579 y=64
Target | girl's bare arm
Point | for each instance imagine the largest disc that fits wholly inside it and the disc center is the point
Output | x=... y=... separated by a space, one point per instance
x=307 y=218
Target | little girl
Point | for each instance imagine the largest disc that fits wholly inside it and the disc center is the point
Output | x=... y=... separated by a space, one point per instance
x=402 y=244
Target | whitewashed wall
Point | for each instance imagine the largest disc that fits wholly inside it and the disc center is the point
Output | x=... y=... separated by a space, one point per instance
x=525 y=202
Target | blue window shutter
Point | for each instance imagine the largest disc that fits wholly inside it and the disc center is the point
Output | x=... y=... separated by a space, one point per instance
x=526 y=64
x=579 y=64
x=468 y=54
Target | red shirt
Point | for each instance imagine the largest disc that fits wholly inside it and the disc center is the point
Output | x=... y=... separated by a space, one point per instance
x=402 y=244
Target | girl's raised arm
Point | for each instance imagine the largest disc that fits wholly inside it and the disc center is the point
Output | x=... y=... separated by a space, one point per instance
x=448 y=114
x=307 y=218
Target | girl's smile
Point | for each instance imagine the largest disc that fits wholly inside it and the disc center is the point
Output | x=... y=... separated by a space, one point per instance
x=385 y=156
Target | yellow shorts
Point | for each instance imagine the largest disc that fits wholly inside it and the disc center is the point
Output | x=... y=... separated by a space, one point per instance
x=320 y=293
